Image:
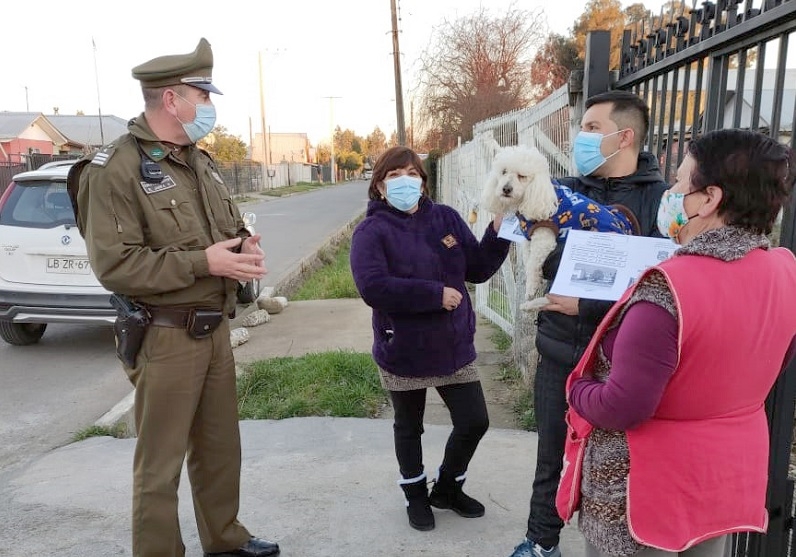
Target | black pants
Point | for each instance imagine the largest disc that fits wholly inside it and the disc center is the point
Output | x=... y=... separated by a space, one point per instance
x=550 y=406
x=467 y=407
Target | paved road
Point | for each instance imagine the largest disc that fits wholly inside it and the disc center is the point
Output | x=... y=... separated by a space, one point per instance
x=296 y=226
x=59 y=386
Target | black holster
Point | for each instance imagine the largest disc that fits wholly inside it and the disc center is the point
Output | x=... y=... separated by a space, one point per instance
x=130 y=327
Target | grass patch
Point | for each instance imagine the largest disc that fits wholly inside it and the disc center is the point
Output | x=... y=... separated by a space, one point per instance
x=523 y=401
x=340 y=384
x=333 y=279
x=500 y=339
x=301 y=187
x=119 y=431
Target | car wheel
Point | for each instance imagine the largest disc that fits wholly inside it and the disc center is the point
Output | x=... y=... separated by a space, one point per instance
x=248 y=292
x=21 y=334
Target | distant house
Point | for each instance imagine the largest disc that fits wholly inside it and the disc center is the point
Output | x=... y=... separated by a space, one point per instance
x=87 y=131
x=283 y=147
x=26 y=133
x=23 y=134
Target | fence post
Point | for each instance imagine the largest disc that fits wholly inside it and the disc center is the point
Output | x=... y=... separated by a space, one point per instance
x=597 y=76
x=595 y=79
x=780 y=407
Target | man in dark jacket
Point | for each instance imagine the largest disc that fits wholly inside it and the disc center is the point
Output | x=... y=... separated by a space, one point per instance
x=613 y=170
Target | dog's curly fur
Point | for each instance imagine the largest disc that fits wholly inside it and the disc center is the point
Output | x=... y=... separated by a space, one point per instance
x=519 y=182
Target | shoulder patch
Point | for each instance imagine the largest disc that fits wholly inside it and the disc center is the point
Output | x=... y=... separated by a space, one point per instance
x=102 y=156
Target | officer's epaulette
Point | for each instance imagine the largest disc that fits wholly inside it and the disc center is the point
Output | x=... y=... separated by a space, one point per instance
x=102 y=156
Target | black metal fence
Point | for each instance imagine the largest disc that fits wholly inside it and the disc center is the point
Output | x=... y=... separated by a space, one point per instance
x=722 y=64
x=240 y=177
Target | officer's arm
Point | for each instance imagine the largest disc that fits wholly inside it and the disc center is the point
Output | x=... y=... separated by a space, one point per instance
x=115 y=240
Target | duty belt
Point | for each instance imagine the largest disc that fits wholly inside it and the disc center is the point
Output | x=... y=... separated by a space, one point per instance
x=169 y=317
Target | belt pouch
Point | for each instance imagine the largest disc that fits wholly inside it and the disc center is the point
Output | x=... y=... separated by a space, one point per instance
x=202 y=322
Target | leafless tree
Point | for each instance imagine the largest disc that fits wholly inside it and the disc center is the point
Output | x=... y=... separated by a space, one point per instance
x=474 y=68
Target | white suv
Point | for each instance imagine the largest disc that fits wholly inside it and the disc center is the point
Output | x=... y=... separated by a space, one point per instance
x=45 y=276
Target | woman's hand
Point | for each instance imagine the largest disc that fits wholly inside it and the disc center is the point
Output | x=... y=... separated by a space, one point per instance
x=451 y=298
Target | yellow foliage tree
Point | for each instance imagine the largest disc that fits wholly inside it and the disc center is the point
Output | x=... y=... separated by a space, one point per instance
x=601 y=15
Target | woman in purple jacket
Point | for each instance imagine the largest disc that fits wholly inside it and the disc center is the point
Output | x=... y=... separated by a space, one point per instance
x=411 y=260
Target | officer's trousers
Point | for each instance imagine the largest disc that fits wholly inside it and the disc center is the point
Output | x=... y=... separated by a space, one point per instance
x=185 y=404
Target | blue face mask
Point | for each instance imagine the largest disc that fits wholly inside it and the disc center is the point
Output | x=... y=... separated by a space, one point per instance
x=203 y=122
x=586 y=150
x=403 y=192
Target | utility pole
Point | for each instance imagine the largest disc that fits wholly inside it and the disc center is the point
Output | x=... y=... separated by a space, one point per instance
x=332 y=164
x=96 y=78
x=27 y=104
x=264 y=140
x=399 y=98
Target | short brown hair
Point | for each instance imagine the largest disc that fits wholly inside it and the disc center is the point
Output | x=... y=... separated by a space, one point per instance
x=755 y=173
x=392 y=158
x=628 y=110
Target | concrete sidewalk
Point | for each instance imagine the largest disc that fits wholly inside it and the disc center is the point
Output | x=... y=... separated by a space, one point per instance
x=318 y=486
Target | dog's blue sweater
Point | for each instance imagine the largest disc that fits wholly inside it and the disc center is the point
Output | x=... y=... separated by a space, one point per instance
x=578 y=212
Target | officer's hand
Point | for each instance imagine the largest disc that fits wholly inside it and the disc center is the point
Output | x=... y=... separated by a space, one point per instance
x=451 y=298
x=252 y=245
x=562 y=304
x=240 y=266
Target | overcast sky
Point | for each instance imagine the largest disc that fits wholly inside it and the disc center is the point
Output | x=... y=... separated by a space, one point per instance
x=310 y=49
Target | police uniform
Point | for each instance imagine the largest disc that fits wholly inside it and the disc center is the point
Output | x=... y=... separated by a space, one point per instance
x=148 y=210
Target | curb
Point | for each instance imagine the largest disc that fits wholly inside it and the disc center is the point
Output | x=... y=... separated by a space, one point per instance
x=121 y=416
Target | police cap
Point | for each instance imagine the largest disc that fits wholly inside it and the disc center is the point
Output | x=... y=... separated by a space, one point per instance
x=194 y=69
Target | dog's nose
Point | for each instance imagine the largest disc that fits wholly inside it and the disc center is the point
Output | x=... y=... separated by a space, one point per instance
x=507 y=189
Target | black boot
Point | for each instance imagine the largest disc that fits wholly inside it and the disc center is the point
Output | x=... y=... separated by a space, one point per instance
x=417 y=506
x=447 y=494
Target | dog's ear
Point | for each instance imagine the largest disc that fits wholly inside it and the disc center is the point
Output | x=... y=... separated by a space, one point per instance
x=492 y=147
x=488 y=194
x=539 y=201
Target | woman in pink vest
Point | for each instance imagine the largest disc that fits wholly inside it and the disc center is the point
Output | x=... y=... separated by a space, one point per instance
x=667 y=450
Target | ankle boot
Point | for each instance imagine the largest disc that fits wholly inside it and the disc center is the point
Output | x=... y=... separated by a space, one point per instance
x=417 y=506
x=447 y=494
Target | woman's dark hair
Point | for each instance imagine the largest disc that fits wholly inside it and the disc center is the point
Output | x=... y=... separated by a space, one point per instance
x=392 y=158
x=755 y=173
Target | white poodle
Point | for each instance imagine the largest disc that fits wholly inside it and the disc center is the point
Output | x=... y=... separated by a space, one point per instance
x=520 y=183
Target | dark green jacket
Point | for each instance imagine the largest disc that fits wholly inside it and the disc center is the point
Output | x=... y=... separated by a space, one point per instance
x=147 y=240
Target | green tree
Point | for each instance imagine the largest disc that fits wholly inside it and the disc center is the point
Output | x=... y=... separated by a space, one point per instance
x=323 y=154
x=350 y=161
x=603 y=15
x=223 y=146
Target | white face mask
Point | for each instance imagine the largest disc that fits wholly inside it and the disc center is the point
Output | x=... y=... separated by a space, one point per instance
x=203 y=122
x=671 y=214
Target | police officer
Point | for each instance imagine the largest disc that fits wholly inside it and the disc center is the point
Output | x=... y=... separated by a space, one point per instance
x=162 y=230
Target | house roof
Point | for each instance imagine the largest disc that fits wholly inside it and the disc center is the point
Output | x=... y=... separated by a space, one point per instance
x=14 y=124
x=85 y=130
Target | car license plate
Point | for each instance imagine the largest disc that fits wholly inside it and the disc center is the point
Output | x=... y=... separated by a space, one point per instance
x=68 y=265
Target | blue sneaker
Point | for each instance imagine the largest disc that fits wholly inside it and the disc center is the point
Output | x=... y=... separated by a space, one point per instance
x=531 y=549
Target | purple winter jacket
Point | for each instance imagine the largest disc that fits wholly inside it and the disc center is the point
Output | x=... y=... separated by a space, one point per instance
x=401 y=263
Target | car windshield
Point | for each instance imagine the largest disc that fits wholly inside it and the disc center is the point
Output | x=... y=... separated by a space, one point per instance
x=38 y=204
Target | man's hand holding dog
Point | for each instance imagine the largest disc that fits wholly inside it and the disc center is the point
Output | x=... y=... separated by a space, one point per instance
x=562 y=304
x=451 y=298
